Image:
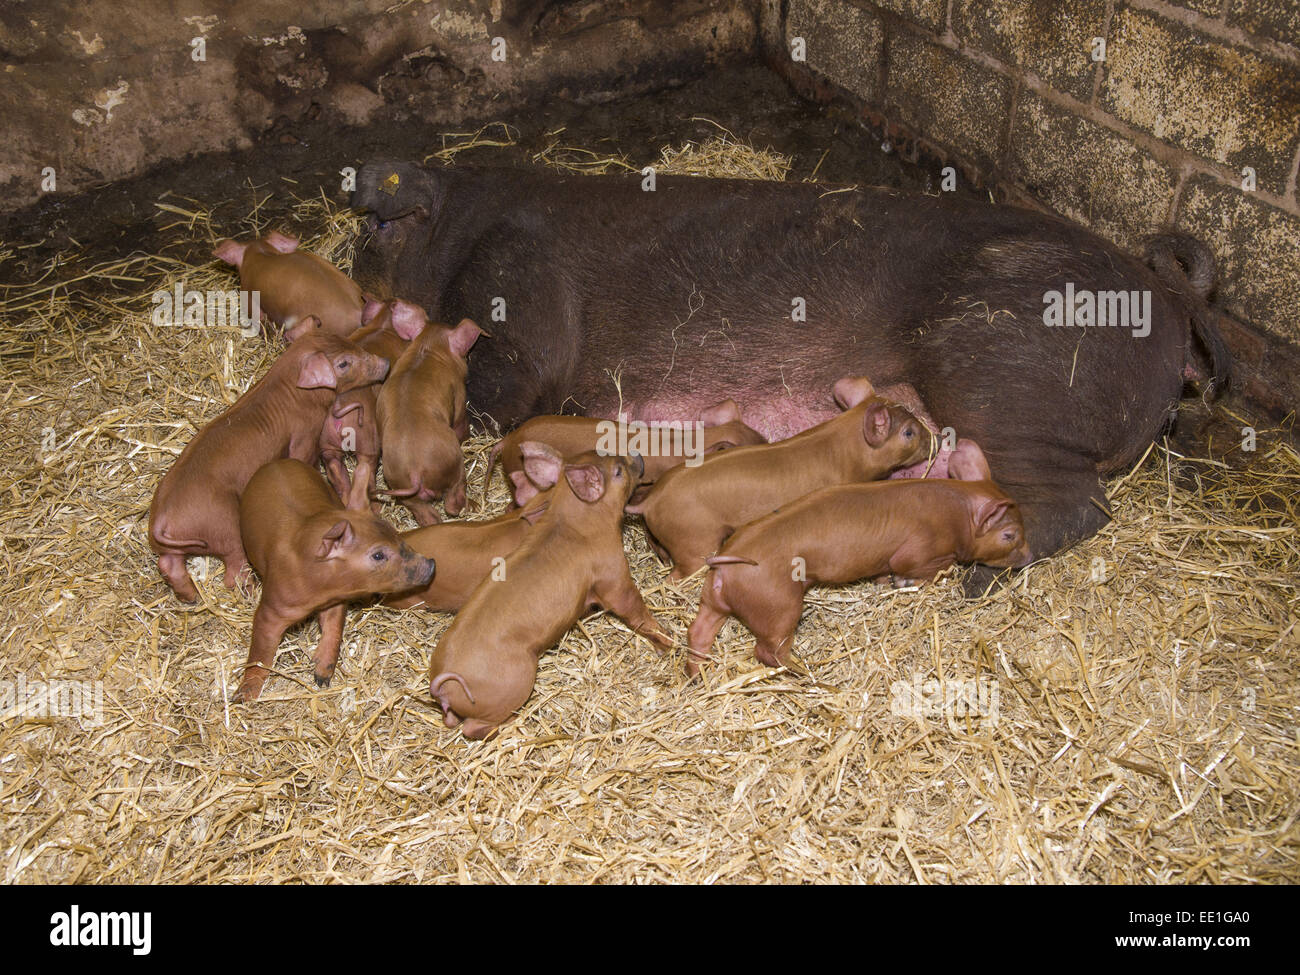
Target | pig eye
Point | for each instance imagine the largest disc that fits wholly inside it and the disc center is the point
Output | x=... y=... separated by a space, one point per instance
x=383 y=224
x=379 y=555
x=344 y=363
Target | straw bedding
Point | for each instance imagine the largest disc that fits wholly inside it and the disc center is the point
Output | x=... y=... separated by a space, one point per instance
x=1146 y=724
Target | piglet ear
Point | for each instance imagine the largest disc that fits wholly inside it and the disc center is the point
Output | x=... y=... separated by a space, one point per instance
x=230 y=251
x=542 y=463
x=317 y=372
x=587 y=481
x=852 y=390
x=281 y=242
x=408 y=320
x=991 y=514
x=968 y=463
x=336 y=540
x=370 y=309
x=462 y=338
x=304 y=326
x=719 y=413
x=876 y=424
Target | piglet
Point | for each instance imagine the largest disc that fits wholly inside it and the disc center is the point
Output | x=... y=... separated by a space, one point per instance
x=352 y=425
x=913 y=529
x=467 y=552
x=669 y=445
x=484 y=666
x=693 y=509
x=313 y=556
x=195 y=510
x=294 y=283
x=421 y=416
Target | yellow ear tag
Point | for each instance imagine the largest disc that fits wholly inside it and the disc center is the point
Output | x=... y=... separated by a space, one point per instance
x=390 y=185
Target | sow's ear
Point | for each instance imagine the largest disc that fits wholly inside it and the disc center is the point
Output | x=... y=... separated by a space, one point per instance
x=394 y=189
x=852 y=390
x=542 y=463
x=336 y=540
x=281 y=242
x=587 y=481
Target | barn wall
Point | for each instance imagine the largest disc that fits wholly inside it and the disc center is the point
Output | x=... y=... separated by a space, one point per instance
x=1155 y=134
x=100 y=91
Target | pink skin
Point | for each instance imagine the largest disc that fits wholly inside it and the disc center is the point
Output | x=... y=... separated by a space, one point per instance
x=779 y=420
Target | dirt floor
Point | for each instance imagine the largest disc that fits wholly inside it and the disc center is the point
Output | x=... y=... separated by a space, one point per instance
x=1130 y=708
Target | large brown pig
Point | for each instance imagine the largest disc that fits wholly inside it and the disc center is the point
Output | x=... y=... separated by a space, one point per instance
x=695 y=292
x=195 y=510
x=294 y=283
x=313 y=557
x=483 y=668
x=389 y=328
x=912 y=529
x=669 y=445
x=692 y=509
x=421 y=415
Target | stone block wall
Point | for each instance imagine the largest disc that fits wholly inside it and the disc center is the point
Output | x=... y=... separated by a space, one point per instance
x=1125 y=115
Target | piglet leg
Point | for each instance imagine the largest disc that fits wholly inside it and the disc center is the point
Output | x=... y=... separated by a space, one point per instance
x=337 y=471
x=622 y=598
x=269 y=627
x=173 y=569
x=327 y=651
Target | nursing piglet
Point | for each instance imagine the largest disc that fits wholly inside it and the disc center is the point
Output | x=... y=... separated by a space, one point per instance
x=671 y=444
x=467 y=552
x=912 y=529
x=195 y=510
x=421 y=414
x=294 y=283
x=693 y=509
x=352 y=424
x=572 y=560
x=313 y=557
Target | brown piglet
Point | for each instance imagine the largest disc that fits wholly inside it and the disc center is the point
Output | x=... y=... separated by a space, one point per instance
x=912 y=529
x=314 y=557
x=195 y=509
x=352 y=424
x=294 y=283
x=665 y=446
x=693 y=509
x=467 y=552
x=421 y=416
x=572 y=560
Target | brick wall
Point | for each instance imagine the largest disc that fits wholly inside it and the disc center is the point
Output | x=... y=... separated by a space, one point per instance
x=1153 y=132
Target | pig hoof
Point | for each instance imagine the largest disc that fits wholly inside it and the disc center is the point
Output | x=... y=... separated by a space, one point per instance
x=247 y=692
x=323 y=680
